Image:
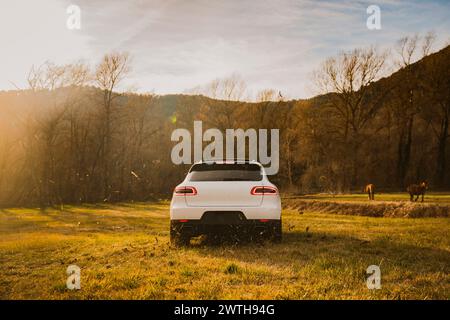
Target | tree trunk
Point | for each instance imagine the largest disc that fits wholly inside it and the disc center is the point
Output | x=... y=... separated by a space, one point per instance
x=404 y=153
x=441 y=156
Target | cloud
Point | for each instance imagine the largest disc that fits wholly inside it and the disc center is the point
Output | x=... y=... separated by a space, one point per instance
x=179 y=44
x=33 y=32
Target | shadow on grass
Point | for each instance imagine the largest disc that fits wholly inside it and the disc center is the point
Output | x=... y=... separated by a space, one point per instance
x=331 y=250
x=101 y=218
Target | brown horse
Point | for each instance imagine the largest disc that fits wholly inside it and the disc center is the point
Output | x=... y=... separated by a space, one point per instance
x=370 y=189
x=417 y=190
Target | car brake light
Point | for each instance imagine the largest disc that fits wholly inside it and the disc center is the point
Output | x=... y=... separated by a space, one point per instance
x=262 y=190
x=185 y=191
x=184 y=220
x=264 y=220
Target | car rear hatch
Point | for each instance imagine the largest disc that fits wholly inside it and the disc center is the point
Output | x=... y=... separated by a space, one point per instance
x=225 y=185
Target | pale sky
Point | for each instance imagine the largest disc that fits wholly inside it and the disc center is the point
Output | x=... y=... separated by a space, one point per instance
x=179 y=44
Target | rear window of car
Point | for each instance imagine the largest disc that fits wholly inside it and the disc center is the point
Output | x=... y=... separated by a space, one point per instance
x=226 y=172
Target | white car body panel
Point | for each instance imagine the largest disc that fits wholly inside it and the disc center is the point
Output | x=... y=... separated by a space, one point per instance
x=226 y=196
x=223 y=194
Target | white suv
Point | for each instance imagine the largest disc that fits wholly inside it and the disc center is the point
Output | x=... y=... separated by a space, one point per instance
x=222 y=196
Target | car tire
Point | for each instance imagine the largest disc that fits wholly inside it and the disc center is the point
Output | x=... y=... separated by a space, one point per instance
x=277 y=234
x=178 y=238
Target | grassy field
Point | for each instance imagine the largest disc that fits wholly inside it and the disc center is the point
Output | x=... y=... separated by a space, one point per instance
x=435 y=197
x=124 y=253
x=385 y=205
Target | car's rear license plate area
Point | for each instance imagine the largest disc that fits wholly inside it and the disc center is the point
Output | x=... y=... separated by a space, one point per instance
x=223 y=218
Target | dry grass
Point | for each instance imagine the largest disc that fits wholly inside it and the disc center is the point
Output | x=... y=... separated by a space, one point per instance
x=435 y=197
x=123 y=253
x=385 y=205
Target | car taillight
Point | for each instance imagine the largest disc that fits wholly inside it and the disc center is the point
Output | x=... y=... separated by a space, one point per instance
x=185 y=191
x=262 y=190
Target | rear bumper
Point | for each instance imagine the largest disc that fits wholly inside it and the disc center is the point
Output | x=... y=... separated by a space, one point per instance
x=270 y=209
x=198 y=227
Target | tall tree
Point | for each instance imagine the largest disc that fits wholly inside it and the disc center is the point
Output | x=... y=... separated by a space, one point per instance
x=55 y=88
x=435 y=85
x=405 y=107
x=109 y=74
x=348 y=77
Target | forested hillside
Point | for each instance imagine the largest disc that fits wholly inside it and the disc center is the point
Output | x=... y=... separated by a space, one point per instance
x=72 y=138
